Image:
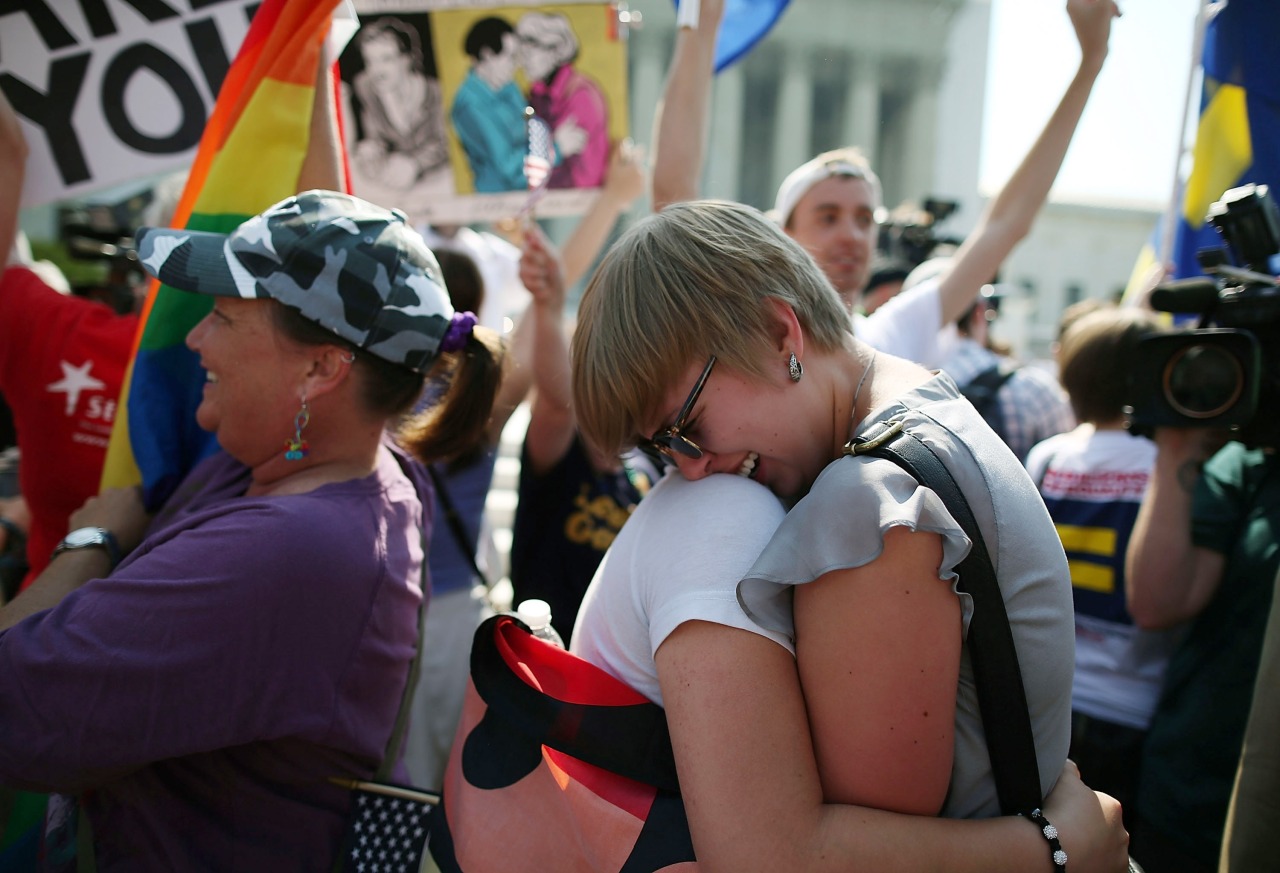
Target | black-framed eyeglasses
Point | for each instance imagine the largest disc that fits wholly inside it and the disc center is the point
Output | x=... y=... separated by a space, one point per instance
x=670 y=441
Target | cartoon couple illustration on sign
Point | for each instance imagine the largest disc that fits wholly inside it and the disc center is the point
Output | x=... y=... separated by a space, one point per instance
x=488 y=113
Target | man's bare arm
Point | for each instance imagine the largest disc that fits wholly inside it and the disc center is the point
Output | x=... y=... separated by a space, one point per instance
x=681 y=124
x=1009 y=217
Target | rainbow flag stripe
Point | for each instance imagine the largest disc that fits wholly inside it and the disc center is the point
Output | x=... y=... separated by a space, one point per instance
x=249 y=157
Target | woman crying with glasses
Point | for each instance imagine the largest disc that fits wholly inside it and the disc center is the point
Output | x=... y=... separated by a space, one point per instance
x=820 y=697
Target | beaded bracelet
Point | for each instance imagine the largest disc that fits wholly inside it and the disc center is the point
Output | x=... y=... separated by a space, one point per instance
x=1050 y=833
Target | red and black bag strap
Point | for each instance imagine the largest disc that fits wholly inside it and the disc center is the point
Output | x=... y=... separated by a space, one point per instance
x=537 y=694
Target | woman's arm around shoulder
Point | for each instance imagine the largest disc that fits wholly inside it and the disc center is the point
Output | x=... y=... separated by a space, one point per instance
x=753 y=797
x=878 y=648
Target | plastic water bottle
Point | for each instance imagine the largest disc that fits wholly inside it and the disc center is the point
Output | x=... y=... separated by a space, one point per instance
x=537 y=615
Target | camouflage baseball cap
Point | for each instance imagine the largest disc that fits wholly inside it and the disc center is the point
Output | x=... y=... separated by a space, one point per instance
x=352 y=267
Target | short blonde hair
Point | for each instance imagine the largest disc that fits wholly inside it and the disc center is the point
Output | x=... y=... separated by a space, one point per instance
x=688 y=282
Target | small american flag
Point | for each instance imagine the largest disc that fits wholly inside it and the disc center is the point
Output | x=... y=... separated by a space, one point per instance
x=386 y=828
x=542 y=151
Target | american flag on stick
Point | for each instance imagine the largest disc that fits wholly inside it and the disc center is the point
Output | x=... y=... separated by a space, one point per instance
x=539 y=159
x=387 y=827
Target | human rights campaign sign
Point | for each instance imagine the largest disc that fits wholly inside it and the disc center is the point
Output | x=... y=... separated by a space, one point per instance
x=111 y=90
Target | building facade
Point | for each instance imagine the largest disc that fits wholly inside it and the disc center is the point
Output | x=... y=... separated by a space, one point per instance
x=905 y=80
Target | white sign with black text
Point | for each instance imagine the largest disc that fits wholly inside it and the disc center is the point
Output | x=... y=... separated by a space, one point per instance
x=113 y=90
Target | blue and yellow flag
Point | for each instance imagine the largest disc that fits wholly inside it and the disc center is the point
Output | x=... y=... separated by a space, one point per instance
x=1238 y=137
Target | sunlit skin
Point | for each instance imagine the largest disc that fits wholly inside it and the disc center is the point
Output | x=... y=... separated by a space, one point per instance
x=835 y=222
x=736 y=416
x=254 y=376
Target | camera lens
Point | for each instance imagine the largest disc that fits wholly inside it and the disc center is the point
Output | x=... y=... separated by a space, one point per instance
x=1203 y=381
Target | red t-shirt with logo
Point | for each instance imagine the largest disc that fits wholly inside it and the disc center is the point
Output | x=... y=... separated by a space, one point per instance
x=62 y=362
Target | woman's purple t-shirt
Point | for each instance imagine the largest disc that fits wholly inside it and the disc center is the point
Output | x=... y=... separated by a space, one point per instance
x=200 y=697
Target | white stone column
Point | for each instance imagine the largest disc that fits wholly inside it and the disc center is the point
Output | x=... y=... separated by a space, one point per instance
x=724 y=152
x=793 y=116
x=922 y=128
x=862 y=109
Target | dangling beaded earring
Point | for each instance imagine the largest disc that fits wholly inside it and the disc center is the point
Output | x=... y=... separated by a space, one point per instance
x=295 y=449
x=794 y=368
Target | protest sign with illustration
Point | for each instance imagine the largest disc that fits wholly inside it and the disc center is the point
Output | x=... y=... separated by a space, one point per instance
x=442 y=97
x=435 y=96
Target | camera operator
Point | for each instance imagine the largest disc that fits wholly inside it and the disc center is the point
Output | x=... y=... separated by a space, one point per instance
x=1204 y=552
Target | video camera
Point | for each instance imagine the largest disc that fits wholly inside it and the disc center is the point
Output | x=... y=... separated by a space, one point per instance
x=910 y=232
x=1220 y=373
x=103 y=233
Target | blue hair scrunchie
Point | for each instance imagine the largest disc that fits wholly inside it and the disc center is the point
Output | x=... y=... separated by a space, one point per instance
x=460 y=327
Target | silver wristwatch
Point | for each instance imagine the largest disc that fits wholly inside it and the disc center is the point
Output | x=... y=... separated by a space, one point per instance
x=90 y=538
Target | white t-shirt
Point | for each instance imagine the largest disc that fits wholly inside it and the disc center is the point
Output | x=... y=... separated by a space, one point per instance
x=907 y=325
x=1093 y=482
x=678 y=558
x=499 y=265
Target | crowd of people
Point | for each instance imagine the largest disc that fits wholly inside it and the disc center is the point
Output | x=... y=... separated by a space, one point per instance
x=692 y=503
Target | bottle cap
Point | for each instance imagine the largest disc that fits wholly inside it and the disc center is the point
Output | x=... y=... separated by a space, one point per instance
x=535 y=613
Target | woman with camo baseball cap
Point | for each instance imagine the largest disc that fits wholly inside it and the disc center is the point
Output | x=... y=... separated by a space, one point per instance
x=204 y=673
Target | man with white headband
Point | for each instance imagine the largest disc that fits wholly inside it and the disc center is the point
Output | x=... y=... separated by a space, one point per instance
x=830 y=205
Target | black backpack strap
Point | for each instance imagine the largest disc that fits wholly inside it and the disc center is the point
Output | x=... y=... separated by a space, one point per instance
x=982 y=391
x=1002 y=699
x=983 y=387
x=456 y=527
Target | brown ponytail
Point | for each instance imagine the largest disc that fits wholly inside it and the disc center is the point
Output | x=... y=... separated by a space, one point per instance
x=458 y=421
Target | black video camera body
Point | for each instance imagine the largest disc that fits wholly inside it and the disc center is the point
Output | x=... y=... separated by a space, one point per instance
x=1220 y=373
x=909 y=234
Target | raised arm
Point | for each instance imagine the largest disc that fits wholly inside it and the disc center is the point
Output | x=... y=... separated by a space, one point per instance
x=551 y=419
x=1168 y=579
x=541 y=342
x=517 y=378
x=681 y=122
x=1008 y=218
x=322 y=166
x=623 y=183
x=13 y=167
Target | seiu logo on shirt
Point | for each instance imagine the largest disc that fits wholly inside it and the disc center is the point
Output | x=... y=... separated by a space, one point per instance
x=101 y=408
x=77 y=379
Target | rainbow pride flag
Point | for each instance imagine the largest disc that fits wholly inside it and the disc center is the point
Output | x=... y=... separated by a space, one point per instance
x=249 y=158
